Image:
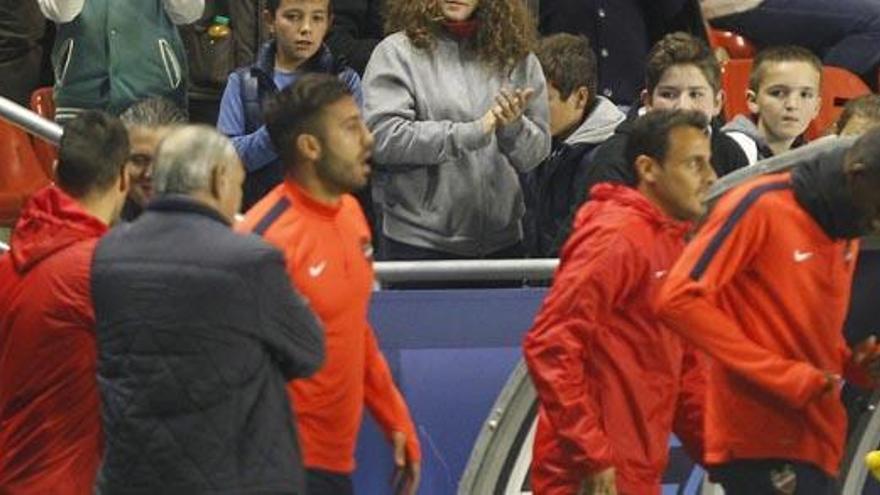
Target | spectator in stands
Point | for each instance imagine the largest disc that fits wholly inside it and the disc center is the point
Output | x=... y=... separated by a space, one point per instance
x=51 y=431
x=317 y=127
x=356 y=30
x=612 y=384
x=109 y=55
x=681 y=73
x=764 y=289
x=458 y=105
x=859 y=115
x=299 y=28
x=148 y=122
x=622 y=33
x=198 y=333
x=21 y=54
x=783 y=96
x=580 y=120
x=847 y=36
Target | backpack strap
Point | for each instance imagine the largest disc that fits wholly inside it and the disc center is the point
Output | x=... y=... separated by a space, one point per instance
x=250 y=99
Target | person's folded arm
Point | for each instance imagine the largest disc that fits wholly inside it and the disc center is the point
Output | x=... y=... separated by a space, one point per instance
x=255 y=149
x=390 y=109
x=526 y=142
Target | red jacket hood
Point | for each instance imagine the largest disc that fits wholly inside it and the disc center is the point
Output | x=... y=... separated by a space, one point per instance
x=604 y=194
x=50 y=221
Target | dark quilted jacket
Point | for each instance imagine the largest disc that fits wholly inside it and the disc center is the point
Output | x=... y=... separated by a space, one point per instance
x=198 y=332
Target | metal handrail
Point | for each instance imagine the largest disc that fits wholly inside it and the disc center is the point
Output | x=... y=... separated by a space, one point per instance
x=461 y=270
x=29 y=121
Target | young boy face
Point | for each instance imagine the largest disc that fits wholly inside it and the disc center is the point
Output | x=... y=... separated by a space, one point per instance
x=299 y=27
x=684 y=87
x=565 y=113
x=787 y=100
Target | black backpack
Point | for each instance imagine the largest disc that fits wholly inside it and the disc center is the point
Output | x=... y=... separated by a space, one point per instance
x=211 y=60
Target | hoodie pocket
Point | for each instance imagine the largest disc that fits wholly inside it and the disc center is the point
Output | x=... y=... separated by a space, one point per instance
x=65 y=54
x=172 y=66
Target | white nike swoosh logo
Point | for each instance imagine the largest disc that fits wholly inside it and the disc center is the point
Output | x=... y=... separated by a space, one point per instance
x=317 y=269
x=660 y=273
x=801 y=256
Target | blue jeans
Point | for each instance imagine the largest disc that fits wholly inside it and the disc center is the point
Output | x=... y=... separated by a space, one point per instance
x=846 y=33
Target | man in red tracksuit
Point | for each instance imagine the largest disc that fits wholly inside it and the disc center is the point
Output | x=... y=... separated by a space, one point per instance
x=317 y=128
x=50 y=430
x=764 y=289
x=612 y=383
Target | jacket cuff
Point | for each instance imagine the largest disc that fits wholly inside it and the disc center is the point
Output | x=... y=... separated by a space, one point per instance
x=471 y=135
x=511 y=131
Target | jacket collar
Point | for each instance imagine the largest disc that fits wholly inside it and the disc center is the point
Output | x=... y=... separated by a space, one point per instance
x=820 y=188
x=639 y=203
x=322 y=61
x=179 y=203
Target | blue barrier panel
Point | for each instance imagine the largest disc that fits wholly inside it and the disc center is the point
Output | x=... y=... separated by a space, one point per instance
x=451 y=352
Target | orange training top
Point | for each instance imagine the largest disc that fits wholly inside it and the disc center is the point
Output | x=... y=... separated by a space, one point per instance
x=329 y=258
x=765 y=291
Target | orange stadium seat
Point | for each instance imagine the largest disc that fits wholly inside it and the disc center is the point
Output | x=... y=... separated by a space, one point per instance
x=735 y=45
x=838 y=87
x=43 y=103
x=21 y=173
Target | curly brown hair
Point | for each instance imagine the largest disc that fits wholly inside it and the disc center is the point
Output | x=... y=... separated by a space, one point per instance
x=507 y=32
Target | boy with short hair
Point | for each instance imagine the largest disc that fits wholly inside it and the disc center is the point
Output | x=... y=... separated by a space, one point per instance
x=783 y=96
x=580 y=120
x=681 y=73
x=299 y=28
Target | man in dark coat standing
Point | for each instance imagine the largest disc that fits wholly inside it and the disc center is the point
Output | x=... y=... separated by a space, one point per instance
x=198 y=333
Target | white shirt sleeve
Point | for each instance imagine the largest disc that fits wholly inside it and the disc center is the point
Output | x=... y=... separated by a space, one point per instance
x=61 y=11
x=183 y=11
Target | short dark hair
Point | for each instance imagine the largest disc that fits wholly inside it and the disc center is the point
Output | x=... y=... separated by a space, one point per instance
x=681 y=49
x=569 y=63
x=865 y=106
x=153 y=112
x=866 y=150
x=93 y=151
x=650 y=134
x=778 y=54
x=297 y=109
x=273 y=5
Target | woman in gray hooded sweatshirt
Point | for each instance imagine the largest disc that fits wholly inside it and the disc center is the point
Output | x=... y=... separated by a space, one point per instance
x=458 y=105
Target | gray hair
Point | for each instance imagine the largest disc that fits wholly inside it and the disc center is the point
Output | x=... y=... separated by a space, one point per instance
x=187 y=157
x=153 y=112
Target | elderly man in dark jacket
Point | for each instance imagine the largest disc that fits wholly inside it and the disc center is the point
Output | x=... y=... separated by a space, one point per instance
x=198 y=332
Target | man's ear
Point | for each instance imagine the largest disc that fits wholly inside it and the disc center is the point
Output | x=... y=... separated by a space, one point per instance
x=309 y=147
x=752 y=102
x=123 y=182
x=582 y=95
x=269 y=19
x=645 y=98
x=647 y=169
x=719 y=103
x=219 y=177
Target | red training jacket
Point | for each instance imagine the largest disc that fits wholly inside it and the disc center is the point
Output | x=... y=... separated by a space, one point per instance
x=612 y=383
x=50 y=430
x=329 y=258
x=765 y=292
